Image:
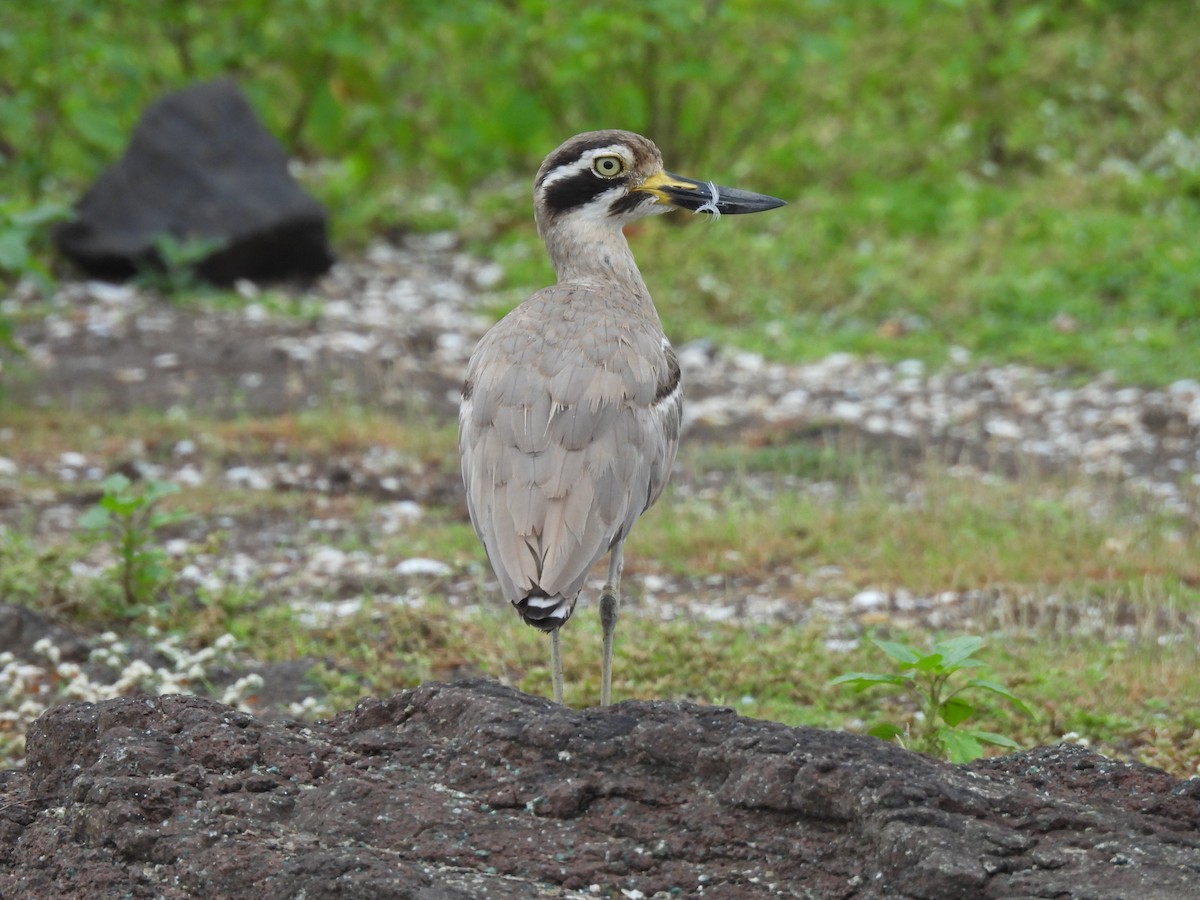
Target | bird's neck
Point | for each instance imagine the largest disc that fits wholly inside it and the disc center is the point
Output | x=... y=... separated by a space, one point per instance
x=596 y=255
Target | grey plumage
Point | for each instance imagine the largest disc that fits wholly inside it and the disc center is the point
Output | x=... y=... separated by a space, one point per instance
x=569 y=432
x=572 y=403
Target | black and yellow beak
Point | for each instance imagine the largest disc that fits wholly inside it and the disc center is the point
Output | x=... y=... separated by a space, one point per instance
x=704 y=196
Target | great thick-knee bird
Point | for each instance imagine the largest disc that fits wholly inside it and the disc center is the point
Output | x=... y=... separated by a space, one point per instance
x=572 y=403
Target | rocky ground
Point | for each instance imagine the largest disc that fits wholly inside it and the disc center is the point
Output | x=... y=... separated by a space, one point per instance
x=396 y=328
x=477 y=791
x=394 y=331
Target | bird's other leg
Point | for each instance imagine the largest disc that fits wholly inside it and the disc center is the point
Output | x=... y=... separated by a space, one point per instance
x=610 y=605
x=556 y=672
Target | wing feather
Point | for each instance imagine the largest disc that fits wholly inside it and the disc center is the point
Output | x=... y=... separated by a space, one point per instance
x=568 y=429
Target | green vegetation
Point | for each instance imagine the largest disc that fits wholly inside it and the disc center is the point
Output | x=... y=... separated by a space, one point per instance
x=926 y=677
x=1018 y=180
x=22 y=233
x=128 y=516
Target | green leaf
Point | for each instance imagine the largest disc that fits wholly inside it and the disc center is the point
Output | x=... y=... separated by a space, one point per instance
x=14 y=251
x=997 y=688
x=966 y=664
x=156 y=490
x=955 y=650
x=990 y=737
x=955 y=710
x=115 y=484
x=153 y=570
x=326 y=118
x=886 y=731
x=896 y=651
x=96 y=124
x=159 y=519
x=42 y=215
x=960 y=746
x=864 y=680
x=929 y=663
x=95 y=519
x=122 y=505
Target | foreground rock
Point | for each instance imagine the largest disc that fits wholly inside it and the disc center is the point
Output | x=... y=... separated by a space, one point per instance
x=200 y=168
x=473 y=790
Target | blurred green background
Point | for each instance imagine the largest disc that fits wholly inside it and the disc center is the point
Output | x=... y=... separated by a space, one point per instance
x=1020 y=180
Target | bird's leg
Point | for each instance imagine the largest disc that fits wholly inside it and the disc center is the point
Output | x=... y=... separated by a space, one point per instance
x=610 y=604
x=556 y=672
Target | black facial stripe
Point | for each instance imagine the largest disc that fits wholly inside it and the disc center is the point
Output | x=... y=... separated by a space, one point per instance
x=628 y=203
x=573 y=153
x=575 y=191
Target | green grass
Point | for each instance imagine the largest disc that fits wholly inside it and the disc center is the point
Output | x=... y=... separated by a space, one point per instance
x=1034 y=550
x=934 y=532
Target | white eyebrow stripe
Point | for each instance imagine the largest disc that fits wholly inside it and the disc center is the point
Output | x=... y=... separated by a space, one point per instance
x=584 y=164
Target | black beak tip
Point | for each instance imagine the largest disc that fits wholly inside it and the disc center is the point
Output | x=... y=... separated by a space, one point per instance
x=706 y=197
x=766 y=202
x=731 y=201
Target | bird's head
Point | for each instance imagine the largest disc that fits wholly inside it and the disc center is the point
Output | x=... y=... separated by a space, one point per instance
x=611 y=178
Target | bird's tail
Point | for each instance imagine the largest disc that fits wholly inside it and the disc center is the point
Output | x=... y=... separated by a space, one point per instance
x=544 y=611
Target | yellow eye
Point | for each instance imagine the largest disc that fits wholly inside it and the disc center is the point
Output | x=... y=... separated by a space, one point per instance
x=609 y=166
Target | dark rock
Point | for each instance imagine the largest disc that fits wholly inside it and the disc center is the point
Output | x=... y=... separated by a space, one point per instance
x=199 y=168
x=475 y=790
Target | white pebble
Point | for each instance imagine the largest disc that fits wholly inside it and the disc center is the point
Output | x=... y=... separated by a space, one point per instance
x=1003 y=429
x=248 y=477
x=421 y=566
x=868 y=600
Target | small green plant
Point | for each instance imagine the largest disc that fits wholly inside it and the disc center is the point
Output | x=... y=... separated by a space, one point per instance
x=179 y=259
x=21 y=232
x=927 y=679
x=128 y=516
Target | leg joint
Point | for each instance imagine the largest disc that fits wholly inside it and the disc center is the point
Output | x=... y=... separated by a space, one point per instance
x=609 y=607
